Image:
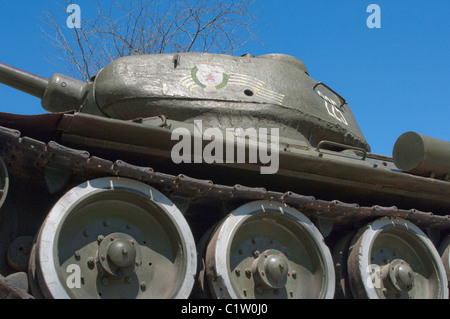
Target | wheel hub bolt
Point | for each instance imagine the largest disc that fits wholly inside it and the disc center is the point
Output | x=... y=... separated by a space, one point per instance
x=91 y=261
x=100 y=238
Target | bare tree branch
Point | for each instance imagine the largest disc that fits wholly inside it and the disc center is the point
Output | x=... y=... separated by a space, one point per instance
x=148 y=26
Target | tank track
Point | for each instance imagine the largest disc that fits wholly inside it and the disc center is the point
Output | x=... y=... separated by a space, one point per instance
x=27 y=157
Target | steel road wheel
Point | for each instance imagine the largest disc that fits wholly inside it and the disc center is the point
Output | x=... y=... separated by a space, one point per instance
x=266 y=249
x=444 y=252
x=392 y=258
x=114 y=238
x=340 y=255
x=4 y=181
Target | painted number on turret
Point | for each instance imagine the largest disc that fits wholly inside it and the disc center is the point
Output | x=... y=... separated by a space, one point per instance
x=331 y=105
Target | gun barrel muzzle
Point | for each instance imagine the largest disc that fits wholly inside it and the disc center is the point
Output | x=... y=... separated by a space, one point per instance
x=19 y=79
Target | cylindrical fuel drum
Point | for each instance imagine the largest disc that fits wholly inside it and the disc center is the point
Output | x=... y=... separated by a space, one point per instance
x=422 y=155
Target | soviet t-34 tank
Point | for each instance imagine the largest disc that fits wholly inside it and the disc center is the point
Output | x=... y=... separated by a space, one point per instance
x=196 y=175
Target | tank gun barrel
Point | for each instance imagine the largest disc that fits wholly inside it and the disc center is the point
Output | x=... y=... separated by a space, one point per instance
x=24 y=81
x=59 y=93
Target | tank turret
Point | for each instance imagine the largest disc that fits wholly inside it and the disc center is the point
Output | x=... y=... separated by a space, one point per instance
x=273 y=90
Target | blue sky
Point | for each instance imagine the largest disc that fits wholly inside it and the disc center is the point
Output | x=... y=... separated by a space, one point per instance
x=395 y=78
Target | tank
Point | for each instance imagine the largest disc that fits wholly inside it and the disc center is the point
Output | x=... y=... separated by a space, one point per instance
x=195 y=175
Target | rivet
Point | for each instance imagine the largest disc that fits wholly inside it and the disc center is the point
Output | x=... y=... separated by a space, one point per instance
x=143 y=285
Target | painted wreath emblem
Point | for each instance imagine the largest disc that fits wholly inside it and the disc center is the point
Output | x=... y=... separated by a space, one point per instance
x=211 y=77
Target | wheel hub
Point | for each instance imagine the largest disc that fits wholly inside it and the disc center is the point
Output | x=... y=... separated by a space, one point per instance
x=270 y=269
x=398 y=276
x=118 y=255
